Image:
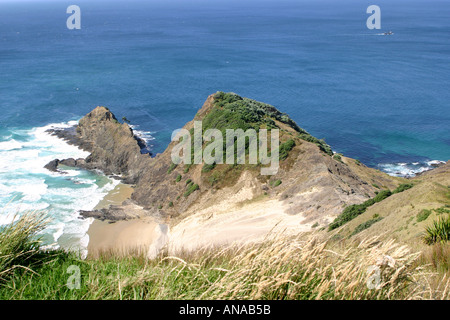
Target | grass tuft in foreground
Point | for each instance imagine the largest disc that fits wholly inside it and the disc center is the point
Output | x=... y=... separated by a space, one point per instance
x=19 y=243
x=439 y=231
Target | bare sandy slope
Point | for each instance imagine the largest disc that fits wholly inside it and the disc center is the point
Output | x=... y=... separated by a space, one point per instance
x=249 y=223
x=238 y=218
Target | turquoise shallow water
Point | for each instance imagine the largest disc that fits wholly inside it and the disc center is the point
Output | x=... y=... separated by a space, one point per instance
x=381 y=99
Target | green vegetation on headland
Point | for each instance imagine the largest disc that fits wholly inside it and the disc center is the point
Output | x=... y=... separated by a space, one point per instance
x=231 y=111
x=279 y=268
x=235 y=112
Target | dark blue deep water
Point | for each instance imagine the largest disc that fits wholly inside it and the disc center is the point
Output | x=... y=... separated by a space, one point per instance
x=384 y=100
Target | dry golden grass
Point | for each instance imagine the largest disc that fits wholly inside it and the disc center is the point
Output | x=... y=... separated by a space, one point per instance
x=292 y=268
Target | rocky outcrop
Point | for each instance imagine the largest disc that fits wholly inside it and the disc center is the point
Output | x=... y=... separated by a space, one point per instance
x=114 y=148
x=128 y=210
x=52 y=165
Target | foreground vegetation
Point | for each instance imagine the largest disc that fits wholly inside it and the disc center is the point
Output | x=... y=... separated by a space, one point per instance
x=281 y=267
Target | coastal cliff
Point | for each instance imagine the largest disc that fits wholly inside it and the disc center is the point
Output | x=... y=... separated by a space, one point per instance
x=312 y=183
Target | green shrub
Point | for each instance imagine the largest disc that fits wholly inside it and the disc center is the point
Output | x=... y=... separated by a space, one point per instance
x=439 y=231
x=285 y=148
x=337 y=157
x=188 y=181
x=355 y=210
x=170 y=204
x=423 y=215
x=171 y=168
x=348 y=214
x=366 y=225
x=187 y=167
x=276 y=183
x=383 y=194
x=208 y=167
x=442 y=210
x=178 y=179
x=403 y=187
x=191 y=188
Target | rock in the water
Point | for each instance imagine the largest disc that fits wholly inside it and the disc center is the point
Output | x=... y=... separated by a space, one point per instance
x=52 y=165
x=71 y=162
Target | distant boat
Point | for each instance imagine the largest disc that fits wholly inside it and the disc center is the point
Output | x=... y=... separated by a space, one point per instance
x=388 y=33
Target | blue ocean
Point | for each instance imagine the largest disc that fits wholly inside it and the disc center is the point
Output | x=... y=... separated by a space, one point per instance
x=382 y=99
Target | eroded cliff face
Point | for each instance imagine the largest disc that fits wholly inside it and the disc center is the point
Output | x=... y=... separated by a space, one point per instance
x=114 y=147
x=309 y=183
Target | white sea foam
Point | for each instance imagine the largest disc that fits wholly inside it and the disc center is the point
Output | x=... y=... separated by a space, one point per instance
x=25 y=185
x=10 y=145
x=7 y=219
x=144 y=135
x=408 y=170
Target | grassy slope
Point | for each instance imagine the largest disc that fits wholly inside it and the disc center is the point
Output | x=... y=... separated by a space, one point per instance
x=400 y=210
x=278 y=268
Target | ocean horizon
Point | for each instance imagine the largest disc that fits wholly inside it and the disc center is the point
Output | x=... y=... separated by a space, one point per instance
x=383 y=100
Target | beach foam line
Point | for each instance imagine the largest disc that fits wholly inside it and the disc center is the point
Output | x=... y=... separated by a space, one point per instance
x=408 y=170
x=25 y=185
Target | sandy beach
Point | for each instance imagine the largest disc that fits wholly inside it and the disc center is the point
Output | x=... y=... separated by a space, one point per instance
x=121 y=237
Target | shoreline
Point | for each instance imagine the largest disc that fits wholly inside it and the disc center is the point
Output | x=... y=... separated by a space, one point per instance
x=116 y=196
x=120 y=237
